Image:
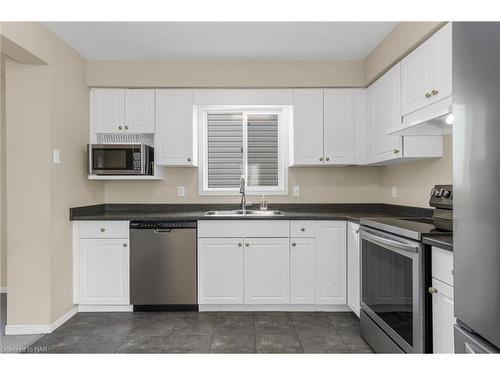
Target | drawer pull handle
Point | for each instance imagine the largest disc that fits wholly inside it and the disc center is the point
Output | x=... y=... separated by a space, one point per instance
x=294 y=244
x=247 y=244
x=432 y=290
x=103 y=229
x=302 y=229
x=240 y=244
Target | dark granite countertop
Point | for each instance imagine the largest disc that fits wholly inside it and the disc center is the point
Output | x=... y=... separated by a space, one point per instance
x=444 y=241
x=191 y=212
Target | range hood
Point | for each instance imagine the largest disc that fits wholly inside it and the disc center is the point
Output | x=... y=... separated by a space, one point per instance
x=435 y=119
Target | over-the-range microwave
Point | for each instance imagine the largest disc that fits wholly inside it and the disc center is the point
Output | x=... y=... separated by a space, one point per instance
x=120 y=159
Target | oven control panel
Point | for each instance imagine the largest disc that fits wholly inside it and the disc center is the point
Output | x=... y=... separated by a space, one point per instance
x=442 y=196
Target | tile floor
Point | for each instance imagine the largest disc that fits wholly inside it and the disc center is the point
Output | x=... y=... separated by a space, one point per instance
x=206 y=332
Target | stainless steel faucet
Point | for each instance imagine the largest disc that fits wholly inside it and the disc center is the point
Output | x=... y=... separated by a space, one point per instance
x=243 y=195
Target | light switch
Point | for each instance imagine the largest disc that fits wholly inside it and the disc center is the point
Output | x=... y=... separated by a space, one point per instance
x=394 y=192
x=296 y=191
x=56 y=156
x=181 y=191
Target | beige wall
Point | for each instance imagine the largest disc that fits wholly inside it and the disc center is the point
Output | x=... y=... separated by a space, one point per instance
x=225 y=73
x=40 y=256
x=414 y=180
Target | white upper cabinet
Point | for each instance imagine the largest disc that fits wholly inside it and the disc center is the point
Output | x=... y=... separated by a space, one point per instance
x=308 y=127
x=122 y=111
x=331 y=262
x=175 y=135
x=108 y=110
x=384 y=112
x=139 y=111
x=338 y=130
x=426 y=72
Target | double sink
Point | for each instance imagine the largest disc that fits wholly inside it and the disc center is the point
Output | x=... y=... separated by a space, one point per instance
x=243 y=213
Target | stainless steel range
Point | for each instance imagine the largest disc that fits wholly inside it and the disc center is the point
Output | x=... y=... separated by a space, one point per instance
x=395 y=274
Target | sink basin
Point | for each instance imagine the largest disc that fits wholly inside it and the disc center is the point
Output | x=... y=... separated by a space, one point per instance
x=240 y=213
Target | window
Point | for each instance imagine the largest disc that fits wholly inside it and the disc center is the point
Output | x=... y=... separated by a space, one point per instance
x=246 y=141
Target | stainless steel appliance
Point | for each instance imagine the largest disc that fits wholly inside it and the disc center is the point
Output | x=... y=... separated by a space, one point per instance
x=120 y=159
x=395 y=274
x=476 y=172
x=163 y=266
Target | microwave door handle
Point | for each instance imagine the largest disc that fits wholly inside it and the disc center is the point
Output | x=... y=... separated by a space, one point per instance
x=382 y=241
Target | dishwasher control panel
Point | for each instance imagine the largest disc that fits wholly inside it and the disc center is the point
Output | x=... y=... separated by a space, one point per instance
x=162 y=224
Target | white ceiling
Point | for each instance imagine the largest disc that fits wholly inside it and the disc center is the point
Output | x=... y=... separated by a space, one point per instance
x=222 y=40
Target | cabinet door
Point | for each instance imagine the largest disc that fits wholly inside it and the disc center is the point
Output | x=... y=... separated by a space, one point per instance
x=440 y=64
x=267 y=269
x=104 y=272
x=108 y=110
x=353 y=268
x=385 y=113
x=174 y=138
x=308 y=127
x=415 y=80
x=443 y=318
x=302 y=270
x=140 y=111
x=338 y=141
x=220 y=271
x=331 y=262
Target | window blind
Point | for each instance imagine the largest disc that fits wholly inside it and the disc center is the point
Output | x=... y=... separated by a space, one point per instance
x=225 y=149
x=262 y=149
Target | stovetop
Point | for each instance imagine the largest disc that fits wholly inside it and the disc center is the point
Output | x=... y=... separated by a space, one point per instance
x=414 y=228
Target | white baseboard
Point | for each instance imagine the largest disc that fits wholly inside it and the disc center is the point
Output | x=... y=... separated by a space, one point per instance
x=105 y=308
x=35 y=329
x=3 y=289
x=293 y=308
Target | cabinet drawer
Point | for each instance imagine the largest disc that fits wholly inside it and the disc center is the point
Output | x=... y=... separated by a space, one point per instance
x=442 y=265
x=243 y=228
x=305 y=228
x=103 y=229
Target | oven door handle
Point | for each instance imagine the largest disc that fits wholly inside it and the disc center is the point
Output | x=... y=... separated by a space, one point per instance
x=383 y=241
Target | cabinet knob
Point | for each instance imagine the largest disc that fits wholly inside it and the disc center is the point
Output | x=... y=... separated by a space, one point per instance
x=294 y=244
x=396 y=151
x=321 y=158
x=302 y=229
x=125 y=245
x=103 y=229
x=432 y=290
x=427 y=95
x=327 y=158
x=357 y=231
x=126 y=127
x=189 y=159
x=247 y=244
x=120 y=127
x=240 y=244
x=434 y=92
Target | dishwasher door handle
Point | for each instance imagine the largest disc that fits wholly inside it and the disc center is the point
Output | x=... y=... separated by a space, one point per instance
x=158 y=231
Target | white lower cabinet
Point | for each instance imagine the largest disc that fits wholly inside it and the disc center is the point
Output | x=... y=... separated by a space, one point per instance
x=353 y=268
x=103 y=271
x=443 y=318
x=267 y=271
x=220 y=271
x=302 y=270
x=331 y=262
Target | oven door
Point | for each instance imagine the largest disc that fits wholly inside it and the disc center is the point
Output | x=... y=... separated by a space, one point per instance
x=391 y=287
x=116 y=159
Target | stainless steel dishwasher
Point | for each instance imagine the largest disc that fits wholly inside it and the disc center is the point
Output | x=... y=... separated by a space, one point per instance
x=163 y=266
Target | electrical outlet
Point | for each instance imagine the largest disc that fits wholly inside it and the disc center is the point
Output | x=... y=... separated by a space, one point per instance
x=296 y=191
x=394 y=192
x=56 y=156
x=181 y=191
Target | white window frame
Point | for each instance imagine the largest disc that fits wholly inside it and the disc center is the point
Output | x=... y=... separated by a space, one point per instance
x=284 y=118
